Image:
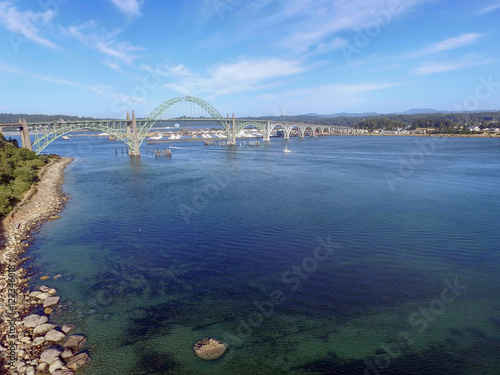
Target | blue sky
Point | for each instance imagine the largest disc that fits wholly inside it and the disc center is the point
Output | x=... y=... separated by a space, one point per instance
x=263 y=57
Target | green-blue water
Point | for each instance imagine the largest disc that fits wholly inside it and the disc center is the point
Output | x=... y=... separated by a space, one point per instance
x=332 y=259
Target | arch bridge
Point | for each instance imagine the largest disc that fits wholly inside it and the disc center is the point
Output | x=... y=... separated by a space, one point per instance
x=133 y=131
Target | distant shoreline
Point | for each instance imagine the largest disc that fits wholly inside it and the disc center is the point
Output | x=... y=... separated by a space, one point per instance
x=488 y=136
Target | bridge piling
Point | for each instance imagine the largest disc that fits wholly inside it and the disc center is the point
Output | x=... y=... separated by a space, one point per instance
x=133 y=135
x=25 y=135
x=267 y=132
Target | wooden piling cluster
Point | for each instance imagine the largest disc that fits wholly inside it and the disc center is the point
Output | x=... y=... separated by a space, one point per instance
x=163 y=153
x=163 y=141
x=215 y=143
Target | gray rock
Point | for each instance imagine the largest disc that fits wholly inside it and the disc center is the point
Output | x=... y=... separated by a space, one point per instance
x=43 y=328
x=51 y=301
x=56 y=365
x=54 y=336
x=50 y=355
x=63 y=372
x=44 y=288
x=30 y=370
x=68 y=353
x=31 y=321
x=78 y=361
x=34 y=320
x=38 y=341
x=43 y=296
x=76 y=342
x=67 y=328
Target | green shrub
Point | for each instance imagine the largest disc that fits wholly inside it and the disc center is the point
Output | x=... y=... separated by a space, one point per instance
x=18 y=171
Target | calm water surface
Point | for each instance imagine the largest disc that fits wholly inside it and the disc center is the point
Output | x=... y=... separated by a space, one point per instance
x=334 y=259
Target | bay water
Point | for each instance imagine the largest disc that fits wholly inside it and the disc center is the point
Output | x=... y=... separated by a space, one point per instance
x=348 y=255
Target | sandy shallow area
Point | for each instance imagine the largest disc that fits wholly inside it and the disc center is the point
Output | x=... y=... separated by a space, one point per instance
x=30 y=343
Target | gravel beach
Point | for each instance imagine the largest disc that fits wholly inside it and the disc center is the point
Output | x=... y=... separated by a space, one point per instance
x=30 y=344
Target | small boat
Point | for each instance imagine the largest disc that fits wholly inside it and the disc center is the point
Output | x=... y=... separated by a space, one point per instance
x=286 y=149
x=66 y=138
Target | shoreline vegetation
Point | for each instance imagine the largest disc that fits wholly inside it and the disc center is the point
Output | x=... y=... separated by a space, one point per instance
x=454 y=135
x=29 y=343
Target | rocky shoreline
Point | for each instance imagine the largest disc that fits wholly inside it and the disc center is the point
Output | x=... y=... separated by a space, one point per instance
x=29 y=343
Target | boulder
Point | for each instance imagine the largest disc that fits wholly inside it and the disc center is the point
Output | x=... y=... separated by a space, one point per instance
x=43 y=328
x=78 y=361
x=209 y=349
x=44 y=288
x=38 y=341
x=48 y=311
x=51 y=301
x=75 y=342
x=63 y=372
x=56 y=365
x=42 y=296
x=57 y=277
x=50 y=355
x=30 y=370
x=44 y=277
x=34 y=320
x=42 y=366
x=52 y=291
x=54 y=336
x=67 y=328
x=68 y=353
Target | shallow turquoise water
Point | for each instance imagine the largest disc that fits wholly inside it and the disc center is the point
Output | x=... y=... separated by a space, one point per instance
x=333 y=259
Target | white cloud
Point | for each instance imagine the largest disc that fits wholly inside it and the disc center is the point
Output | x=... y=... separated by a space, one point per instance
x=26 y=23
x=335 y=97
x=328 y=17
x=223 y=79
x=105 y=43
x=130 y=7
x=489 y=9
x=9 y=68
x=447 y=45
x=468 y=61
x=107 y=92
x=331 y=45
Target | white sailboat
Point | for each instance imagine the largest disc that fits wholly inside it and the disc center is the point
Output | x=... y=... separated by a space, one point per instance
x=286 y=149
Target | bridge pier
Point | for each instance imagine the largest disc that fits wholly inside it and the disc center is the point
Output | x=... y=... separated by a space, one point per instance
x=25 y=135
x=267 y=132
x=233 y=133
x=134 y=137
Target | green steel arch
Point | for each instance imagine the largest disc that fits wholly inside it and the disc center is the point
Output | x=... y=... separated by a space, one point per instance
x=261 y=125
x=154 y=116
x=43 y=140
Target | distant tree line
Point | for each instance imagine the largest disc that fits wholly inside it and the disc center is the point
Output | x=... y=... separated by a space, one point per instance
x=8 y=118
x=440 y=122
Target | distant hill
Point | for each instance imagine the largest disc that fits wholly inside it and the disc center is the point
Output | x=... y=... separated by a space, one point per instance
x=342 y=114
x=8 y=118
x=418 y=111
